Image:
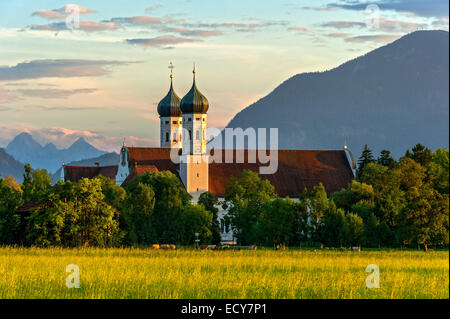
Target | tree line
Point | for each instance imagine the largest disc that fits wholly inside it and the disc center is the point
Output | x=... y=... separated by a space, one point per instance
x=390 y=203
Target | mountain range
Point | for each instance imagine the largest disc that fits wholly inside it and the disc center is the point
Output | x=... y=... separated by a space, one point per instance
x=390 y=98
x=26 y=150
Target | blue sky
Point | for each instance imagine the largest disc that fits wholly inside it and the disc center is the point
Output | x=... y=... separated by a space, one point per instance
x=103 y=80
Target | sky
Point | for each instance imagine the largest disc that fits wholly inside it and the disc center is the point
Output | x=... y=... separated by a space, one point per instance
x=102 y=78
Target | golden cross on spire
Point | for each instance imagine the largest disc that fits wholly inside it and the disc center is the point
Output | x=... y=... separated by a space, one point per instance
x=171 y=67
x=193 y=70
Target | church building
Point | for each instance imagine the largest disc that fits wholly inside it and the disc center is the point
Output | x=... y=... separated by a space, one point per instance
x=183 y=151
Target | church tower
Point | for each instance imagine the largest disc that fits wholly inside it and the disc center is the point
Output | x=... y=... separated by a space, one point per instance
x=194 y=159
x=170 y=115
x=123 y=169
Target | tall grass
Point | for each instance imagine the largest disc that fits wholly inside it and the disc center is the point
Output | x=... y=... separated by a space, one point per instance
x=144 y=273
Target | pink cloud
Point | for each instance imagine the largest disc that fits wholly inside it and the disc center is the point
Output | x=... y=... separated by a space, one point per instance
x=54 y=93
x=85 y=25
x=6 y=96
x=378 y=38
x=160 y=41
x=299 y=29
x=62 y=13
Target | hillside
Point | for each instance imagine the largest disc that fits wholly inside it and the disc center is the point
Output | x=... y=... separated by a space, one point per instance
x=10 y=166
x=391 y=98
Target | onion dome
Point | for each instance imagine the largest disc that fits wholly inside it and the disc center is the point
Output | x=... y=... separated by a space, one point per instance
x=170 y=104
x=194 y=101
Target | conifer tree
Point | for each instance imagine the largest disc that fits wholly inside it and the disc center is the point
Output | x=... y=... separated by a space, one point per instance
x=386 y=159
x=365 y=158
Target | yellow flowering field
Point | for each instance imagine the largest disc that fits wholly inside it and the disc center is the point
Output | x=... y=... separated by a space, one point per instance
x=189 y=273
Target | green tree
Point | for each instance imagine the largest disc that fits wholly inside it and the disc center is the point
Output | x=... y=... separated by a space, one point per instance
x=355 y=227
x=365 y=158
x=333 y=229
x=301 y=218
x=424 y=219
x=438 y=171
x=354 y=194
x=74 y=214
x=385 y=235
x=138 y=215
x=35 y=183
x=10 y=200
x=195 y=219
x=386 y=159
x=277 y=221
x=389 y=195
x=170 y=198
x=318 y=204
x=420 y=154
x=114 y=194
x=370 y=234
x=245 y=197
x=210 y=202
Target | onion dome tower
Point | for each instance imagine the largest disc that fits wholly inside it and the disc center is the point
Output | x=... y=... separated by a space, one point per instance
x=194 y=161
x=170 y=115
x=194 y=107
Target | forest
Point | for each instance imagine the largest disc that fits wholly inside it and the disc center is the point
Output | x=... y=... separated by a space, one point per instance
x=390 y=203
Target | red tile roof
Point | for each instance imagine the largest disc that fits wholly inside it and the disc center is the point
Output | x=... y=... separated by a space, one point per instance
x=75 y=173
x=138 y=170
x=297 y=169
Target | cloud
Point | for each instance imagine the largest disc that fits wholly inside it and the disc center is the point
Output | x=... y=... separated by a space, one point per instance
x=343 y=24
x=63 y=108
x=383 y=25
x=337 y=35
x=441 y=23
x=197 y=33
x=136 y=21
x=154 y=7
x=299 y=29
x=424 y=8
x=5 y=97
x=62 y=13
x=320 y=8
x=378 y=38
x=54 y=93
x=59 y=68
x=85 y=25
x=399 y=26
x=160 y=41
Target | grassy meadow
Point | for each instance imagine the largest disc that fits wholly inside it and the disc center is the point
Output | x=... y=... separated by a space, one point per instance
x=185 y=273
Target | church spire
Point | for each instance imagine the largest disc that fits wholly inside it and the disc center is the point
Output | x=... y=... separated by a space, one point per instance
x=194 y=101
x=169 y=106
x=171 y=67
